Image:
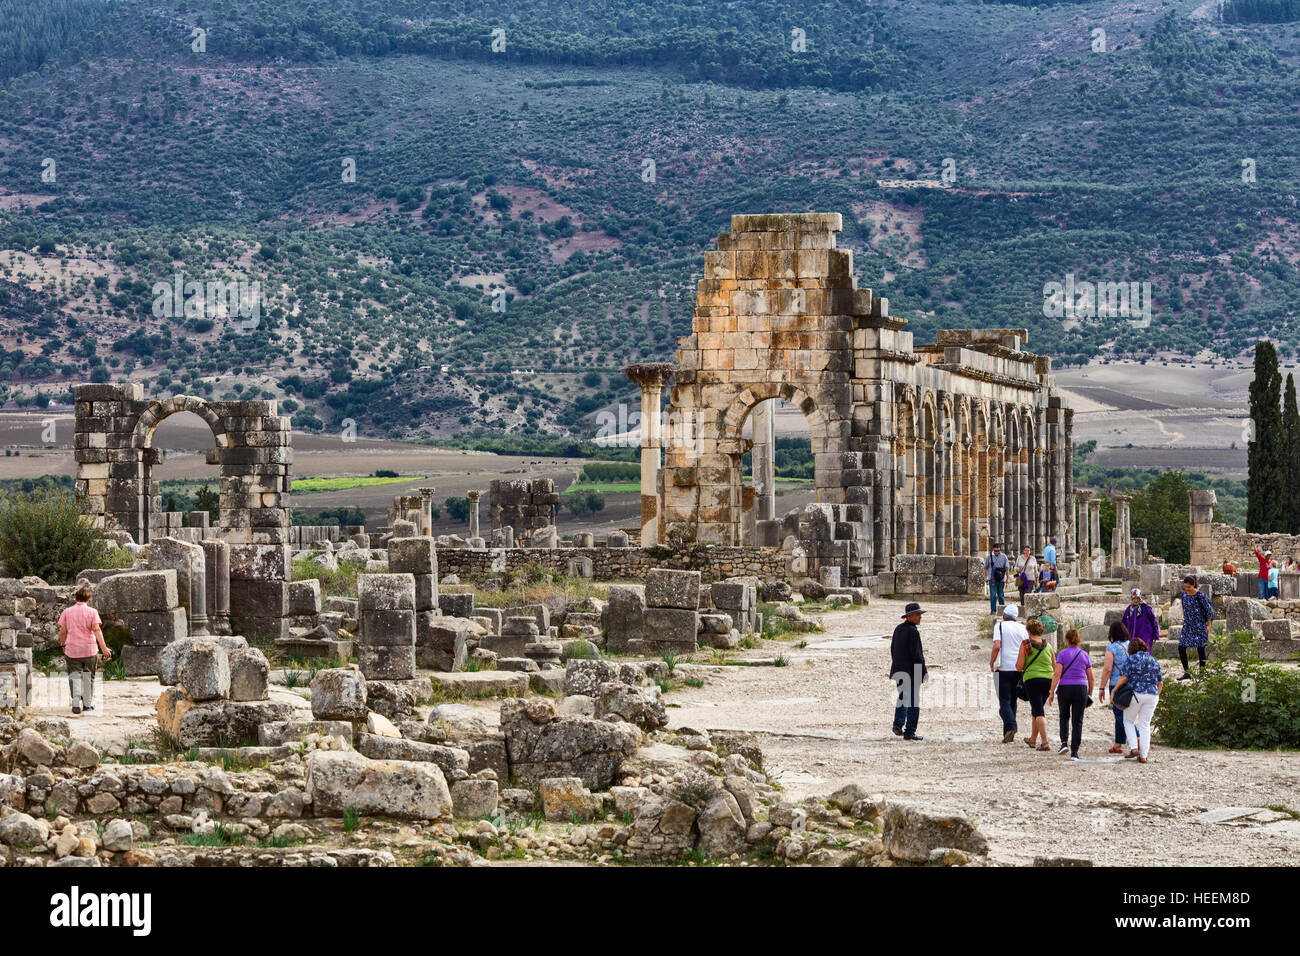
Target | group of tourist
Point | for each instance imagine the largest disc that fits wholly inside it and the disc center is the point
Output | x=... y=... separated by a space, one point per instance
x=1027 y=668
x=1031 y=575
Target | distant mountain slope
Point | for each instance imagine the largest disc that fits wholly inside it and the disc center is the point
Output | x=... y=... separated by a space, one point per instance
x=443 y=237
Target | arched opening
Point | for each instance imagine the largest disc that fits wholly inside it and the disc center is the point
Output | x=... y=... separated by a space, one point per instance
x=179 y=477
x=778 y=471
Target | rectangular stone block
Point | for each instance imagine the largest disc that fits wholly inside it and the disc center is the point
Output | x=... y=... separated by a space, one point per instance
x=672 y=589
x=387 y=628
x=412 y=556
x=136 y=591
x=280 y=732
x=624 y=616
x=258 y=598
x=141 y=661
x=385 y=592
x=380 y=662
x=426 y=592
x=457 y=605
x=670 y=629
x=260 y=562
x=304 y=597
x=156 y=628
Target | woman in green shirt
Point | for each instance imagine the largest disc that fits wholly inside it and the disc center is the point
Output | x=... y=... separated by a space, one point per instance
x=1036 y=666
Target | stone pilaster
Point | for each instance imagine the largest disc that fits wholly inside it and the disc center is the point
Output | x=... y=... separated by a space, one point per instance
x=651 y=377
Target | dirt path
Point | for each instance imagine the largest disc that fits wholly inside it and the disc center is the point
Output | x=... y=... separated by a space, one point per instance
x=825 y=719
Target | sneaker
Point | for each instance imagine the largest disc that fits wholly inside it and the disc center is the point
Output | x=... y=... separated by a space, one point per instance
x=76 y=708
x=898 y=731
x=1074 y=758
x=1009 y=736
x=1063 y=748
x=1186 y=676
x=913 y=737
x=90 y=707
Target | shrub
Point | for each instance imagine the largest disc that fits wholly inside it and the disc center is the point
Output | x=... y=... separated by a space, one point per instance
x=1238 y=705
x=45 y=534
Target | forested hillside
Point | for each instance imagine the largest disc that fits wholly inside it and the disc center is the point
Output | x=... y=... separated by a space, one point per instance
x=431 y=196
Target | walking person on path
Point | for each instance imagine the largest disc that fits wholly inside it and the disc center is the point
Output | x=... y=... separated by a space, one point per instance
x=1008 y=635
x=1071 y=673
x=1035 y=666
x=1116 y=654
x=907 y=669
x=1198 y=612
x=1143 y=672
x=1140 y=619
x=1049 y=553
x=995 y=574
x=1026 y=573
x=81 y=636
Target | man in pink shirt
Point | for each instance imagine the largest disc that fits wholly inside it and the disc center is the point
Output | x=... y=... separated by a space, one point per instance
x=81 y=636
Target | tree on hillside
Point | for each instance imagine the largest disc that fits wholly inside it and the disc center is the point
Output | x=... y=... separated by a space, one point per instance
x=1291 y=457
x=1160 y=514
x=1266 y=504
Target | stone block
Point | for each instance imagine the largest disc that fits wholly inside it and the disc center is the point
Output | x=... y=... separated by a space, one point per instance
x=280 y=732
x=137 y=591
x=1276 y=630
x=205 y=671
x=442 y=643
x=304 y=597
x=391 y=628
x=339 y=694
x=478 y=684
x=414 y=555
x=457 y=605
x=156 y=628
x=379 y=662
x=260 y=562
x=672 y=589
x=140 y=661
x=415 y=790
x=669 y=629
x=624 y=617
x=385 y=592
x=426 y=592
x=249 y=674
x=474 y=799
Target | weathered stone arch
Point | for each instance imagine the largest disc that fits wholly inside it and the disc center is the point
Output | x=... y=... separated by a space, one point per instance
x=159 y=409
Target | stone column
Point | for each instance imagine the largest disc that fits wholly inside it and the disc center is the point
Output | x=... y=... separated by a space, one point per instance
x=763 y=459
x=473 y=512
x=1201 y=515
x=426 y=511
x=651 y=377
x=1079 y=532
x=1121 y=539
x=1094 y=536
x=216 y=558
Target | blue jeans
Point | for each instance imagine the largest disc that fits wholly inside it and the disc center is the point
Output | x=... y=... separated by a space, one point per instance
x=1263 y=588
x=1007 y=699
x=997 y=594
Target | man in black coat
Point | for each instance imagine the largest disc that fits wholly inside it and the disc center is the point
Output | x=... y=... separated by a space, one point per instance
x=907 y=669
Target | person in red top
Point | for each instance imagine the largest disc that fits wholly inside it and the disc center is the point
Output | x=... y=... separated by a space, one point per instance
x=1265 y=562
x=81 y=636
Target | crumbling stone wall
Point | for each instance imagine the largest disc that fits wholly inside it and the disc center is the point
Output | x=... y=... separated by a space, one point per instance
x=946 y=447
x=523 y=504
x=619 y=564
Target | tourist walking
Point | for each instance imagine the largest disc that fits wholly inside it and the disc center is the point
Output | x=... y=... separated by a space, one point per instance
x=1140 y=619
x=1071 y=674
x=1198 y=612
x=1141 y=671
x=907 y=669
x=81 y=636
x=1026 y=573
x=1049 y=553
x=1265 y=562
x=1008 y=635
x=1116 y=654
x=1036 y=667
x=995 y=575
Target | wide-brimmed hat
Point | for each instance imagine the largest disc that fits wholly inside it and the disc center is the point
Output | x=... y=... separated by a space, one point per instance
x=913 y=608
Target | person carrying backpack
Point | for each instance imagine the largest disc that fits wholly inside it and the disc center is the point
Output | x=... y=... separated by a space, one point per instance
x=1138 y=692
x=1116 y=654
x=995 y=573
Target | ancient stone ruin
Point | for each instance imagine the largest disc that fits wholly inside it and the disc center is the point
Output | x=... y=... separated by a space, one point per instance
x=930 y=450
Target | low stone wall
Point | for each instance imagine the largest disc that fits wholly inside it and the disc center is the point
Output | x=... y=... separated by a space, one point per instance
x=618 y=564
x=1230 y=543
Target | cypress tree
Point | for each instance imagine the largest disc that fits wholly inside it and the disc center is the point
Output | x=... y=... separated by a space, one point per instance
x=1291 y=430
x=1266 y=502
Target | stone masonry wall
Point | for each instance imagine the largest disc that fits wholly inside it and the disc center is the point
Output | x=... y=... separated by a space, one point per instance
x=618 y=564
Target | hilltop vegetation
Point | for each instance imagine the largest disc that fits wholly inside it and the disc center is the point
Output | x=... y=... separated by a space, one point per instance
x=448 y=239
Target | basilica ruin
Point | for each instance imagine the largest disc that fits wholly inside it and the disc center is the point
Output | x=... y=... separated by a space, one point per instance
x=921 y=452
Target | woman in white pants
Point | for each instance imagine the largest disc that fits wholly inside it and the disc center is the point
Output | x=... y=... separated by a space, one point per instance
x=1142 y=671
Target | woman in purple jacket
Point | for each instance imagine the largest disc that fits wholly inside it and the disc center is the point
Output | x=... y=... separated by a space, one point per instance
x=1140 y=619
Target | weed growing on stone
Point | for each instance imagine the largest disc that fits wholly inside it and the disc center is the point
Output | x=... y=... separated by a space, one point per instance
x=351 y=819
